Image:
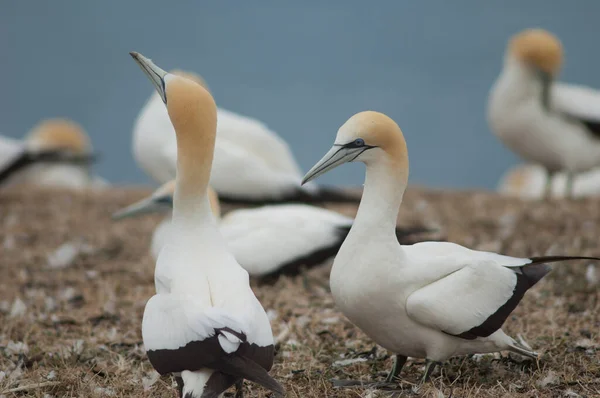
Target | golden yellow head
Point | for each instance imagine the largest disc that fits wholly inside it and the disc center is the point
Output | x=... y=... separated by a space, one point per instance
x=537 y=48
x=376 y=130
x=190 y=106
x=366 y=137
x=59 y=134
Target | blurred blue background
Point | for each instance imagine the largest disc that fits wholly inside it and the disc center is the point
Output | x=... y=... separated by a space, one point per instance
x=302 y=68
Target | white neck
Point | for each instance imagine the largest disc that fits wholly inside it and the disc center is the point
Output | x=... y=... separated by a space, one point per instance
x=518 y=81
x=385 y=184
x=193 y=219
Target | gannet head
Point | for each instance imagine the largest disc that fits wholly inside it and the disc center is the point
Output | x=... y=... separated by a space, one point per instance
x=537 y=49
x=368 y=137
x=193 y=113
x=162 y=200
x=59 y=135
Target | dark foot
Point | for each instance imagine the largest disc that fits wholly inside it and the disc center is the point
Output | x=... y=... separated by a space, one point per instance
x=239 y=389
x=179 y=381
x=399 y=361
x=429 y=368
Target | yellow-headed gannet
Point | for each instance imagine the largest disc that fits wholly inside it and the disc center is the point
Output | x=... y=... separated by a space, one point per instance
x=204 y=324
x=56 y=153
x=430 y=300
x=545 y=122
x=268 y=240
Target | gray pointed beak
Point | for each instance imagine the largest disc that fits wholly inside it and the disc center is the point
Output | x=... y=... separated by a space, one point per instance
x=144 y=206
x=337 y=155
x=154 y=73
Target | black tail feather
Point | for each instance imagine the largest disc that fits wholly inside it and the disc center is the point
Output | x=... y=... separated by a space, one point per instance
x=553 y=259
x=246 y=368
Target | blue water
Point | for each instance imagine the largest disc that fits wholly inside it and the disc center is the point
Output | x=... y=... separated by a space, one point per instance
x=302 y=68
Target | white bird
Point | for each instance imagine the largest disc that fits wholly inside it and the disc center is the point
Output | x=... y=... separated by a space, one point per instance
x=528 y=181
x=552 y=124
x=431 y=300
x=251 y=162
x=56 y=153
x=268 y=240
x=204 y=324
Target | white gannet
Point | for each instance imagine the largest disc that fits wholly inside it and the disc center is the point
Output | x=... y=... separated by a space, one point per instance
x=545 y=122
x=204 y=324
x=251 y=162
x=268 y=240
x=529 y=181
x=56 y=153
x=431 y=300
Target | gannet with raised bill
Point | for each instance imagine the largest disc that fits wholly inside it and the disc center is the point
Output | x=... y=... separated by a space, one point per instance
x=204 y=324
x=268 y=240
x=251 y=164
x=545 y=122
x=56 y=153
x=528 y=181
x=431 y=300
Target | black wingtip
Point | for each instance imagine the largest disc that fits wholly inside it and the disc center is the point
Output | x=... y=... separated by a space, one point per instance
x=250 y=370
x=553 y=259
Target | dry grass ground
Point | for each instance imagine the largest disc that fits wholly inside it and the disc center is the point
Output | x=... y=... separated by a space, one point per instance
x=73 y=330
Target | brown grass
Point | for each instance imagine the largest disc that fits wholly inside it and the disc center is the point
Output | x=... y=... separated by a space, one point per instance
x=81 y=325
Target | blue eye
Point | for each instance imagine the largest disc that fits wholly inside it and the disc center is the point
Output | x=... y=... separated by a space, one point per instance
x=359 y=142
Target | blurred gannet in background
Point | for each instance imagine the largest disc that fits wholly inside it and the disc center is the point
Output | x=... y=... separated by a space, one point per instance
x=56 y=153
x=204 y=324
x=555 y=125
x=269 y=240
x=529 y=181
x=431 y=300
x=252 y=163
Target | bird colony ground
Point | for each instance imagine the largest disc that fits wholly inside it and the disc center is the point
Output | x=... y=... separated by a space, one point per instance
x=73 y=286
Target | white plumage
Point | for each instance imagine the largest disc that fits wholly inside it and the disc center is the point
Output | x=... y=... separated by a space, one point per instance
x=205 y=323
x=251 y=162
x=56 y=153
x=430 y=300
x=266 y=240
x=552 y=124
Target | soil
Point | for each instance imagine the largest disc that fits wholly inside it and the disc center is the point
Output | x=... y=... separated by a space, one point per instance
x=74 y=284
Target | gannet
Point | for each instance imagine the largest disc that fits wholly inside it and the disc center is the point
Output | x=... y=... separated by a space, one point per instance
x=251 y=164
x=56 y=153
x=268 y=240
x=552 y=124
x=204 y=324
x=431 y=300
x=528 y=181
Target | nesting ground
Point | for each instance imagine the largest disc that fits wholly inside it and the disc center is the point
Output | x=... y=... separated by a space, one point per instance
x=73 y=286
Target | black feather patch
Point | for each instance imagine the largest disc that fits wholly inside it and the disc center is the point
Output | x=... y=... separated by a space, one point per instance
x=250 y=361
x=56 y=156
x=527 y=276
x=299 y=195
